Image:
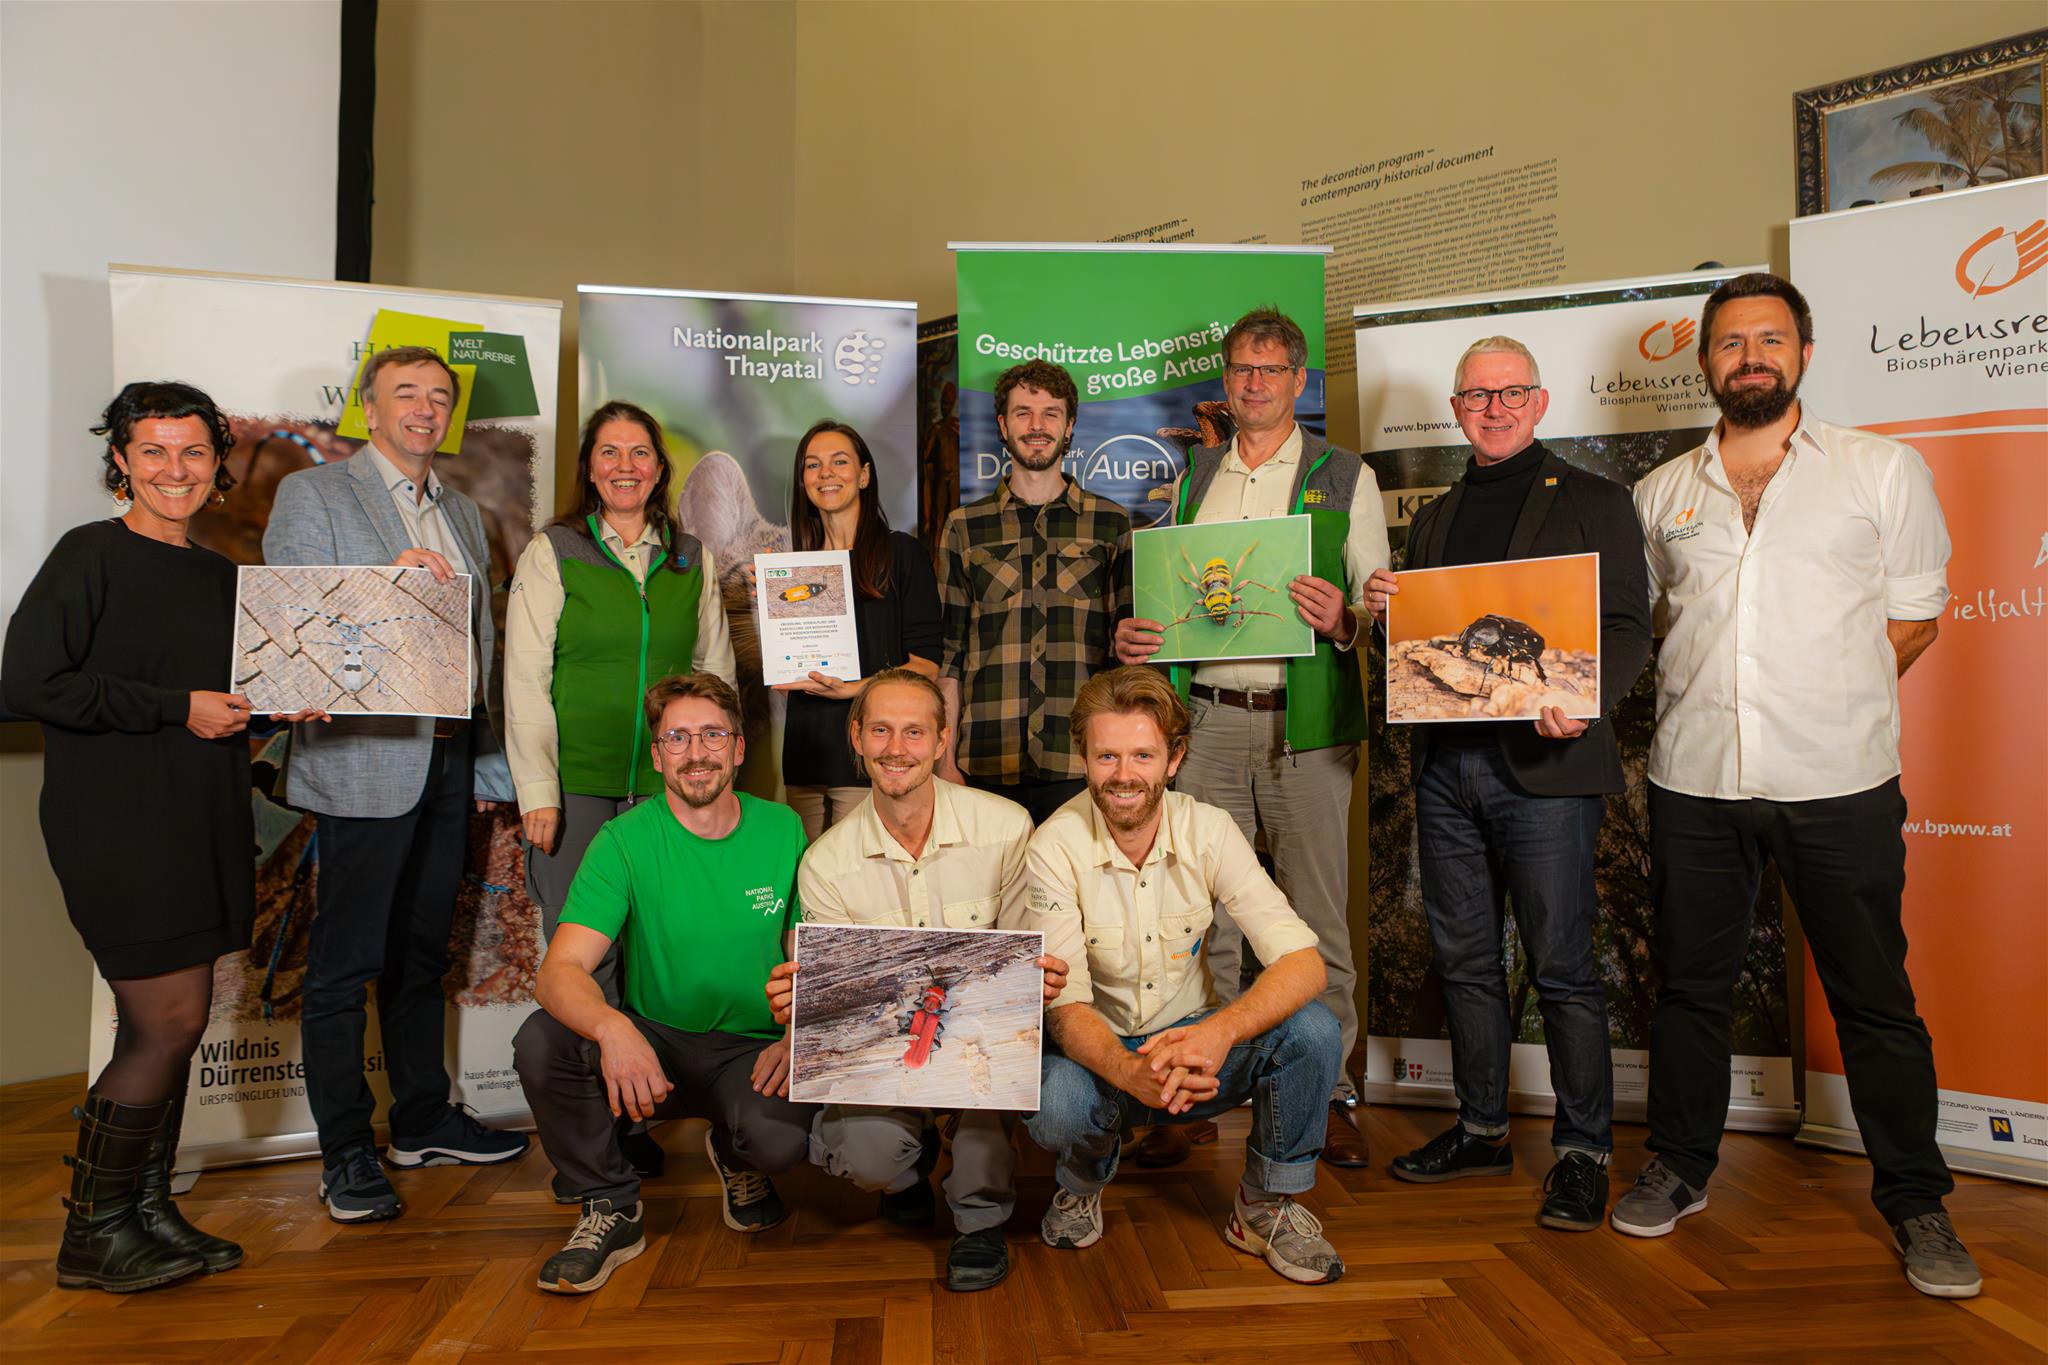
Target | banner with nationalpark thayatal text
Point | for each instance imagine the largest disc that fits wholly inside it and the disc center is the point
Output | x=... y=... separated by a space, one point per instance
x=735 y=380
x=1931 y=326
x=1620 y=362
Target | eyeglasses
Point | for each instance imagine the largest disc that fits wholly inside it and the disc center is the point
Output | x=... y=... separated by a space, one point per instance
x=1475 y=400
x=678 y=741
x=1269 y=373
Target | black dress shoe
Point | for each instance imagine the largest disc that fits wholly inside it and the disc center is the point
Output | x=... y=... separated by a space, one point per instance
x=978 y=1260
x=1343 y=1144
x=1455 y=1153
x=1574 y=1194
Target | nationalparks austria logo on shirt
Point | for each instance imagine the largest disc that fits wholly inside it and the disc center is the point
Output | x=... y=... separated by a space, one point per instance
x=1681 y=527
x=767 y=900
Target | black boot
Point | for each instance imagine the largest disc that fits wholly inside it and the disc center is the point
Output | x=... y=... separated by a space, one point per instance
x=161 y=1216
x=106 y=1244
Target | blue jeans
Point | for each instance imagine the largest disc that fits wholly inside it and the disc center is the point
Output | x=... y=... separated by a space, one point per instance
x=1287 y=1072
x=1486 y=844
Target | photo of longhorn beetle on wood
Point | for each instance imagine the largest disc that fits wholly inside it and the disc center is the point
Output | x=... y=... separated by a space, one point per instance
x=352 y=640
x=925 y=1018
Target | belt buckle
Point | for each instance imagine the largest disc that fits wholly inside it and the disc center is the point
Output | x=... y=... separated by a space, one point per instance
x=1260 y=698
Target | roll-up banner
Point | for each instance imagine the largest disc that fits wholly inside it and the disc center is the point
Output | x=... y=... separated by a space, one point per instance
x=1626 y=394
x=1931 y=326
x=735 y=380
x=281 y=358
x=1140 y=327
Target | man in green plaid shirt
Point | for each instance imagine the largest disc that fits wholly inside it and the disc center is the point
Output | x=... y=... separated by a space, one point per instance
x=1033 y=584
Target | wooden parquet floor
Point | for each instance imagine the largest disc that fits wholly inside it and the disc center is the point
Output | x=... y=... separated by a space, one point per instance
x=1789 y=1263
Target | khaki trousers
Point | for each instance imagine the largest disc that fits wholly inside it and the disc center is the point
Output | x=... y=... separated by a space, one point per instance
x=1303 y=802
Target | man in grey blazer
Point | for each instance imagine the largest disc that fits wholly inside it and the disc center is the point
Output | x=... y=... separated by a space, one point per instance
x=392 y=797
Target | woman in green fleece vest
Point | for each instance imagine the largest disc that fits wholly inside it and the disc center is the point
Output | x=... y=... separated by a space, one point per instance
x=608 y=600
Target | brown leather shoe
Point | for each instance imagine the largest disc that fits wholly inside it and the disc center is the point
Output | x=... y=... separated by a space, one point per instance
x=1343 y=1144
x=1168 y=1144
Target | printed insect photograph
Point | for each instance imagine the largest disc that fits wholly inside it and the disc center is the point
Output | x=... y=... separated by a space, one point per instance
x=815 y=590
x=925 y=1018
x=1495 y=641
x=361 y=640
x=1219 y=589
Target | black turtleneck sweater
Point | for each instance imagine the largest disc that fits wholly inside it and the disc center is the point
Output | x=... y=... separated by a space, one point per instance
x=1479 y=534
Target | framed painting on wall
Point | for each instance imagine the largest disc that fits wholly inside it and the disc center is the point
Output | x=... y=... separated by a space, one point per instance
x=1965 y=118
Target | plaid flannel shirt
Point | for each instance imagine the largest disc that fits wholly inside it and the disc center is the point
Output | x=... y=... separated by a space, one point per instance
x=1031 y=597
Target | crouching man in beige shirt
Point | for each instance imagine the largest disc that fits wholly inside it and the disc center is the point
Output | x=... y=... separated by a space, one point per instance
x=919 y=853
x=1125 y=881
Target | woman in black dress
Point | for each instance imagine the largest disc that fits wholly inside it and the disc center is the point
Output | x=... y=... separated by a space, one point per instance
x=836 y=504
x=116 y=648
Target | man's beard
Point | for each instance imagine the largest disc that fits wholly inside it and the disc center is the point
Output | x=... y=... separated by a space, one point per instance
x=1119 y=819
x=696 y=799
x=1755 y=406
x=1036 y=463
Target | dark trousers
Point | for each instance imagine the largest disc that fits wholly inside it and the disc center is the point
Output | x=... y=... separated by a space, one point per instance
x=1040 y=796
x=1486 y=844
x=562 y=1073
x=386 y=896
x=549 y=875
x=1843 y=860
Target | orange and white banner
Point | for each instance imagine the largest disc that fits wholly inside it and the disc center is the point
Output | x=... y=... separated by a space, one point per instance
x=1931 y=326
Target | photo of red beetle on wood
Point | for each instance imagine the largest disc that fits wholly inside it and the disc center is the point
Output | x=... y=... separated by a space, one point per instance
x=925 y=1018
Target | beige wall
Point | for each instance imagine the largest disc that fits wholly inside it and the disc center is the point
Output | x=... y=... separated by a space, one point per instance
x=528 y=147
x=1672 y=123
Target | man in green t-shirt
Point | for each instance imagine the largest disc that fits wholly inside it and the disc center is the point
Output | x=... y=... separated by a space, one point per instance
x=703 y=883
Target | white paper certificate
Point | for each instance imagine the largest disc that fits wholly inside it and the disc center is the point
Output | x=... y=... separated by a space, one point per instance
x=804 y=604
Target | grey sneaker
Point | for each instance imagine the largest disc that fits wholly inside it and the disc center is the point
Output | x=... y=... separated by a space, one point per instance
x=1288 y=1236
x=1936 y=1261
x=1074 y=1220
x=605 y=1239
x=1657 y=1202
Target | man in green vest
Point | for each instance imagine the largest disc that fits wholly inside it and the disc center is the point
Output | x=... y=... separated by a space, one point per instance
x=1276 y=740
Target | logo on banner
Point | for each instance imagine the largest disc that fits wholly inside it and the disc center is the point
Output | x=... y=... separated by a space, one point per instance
x=858 y=358
x=2001 y=258
x=1666 y=339
x=1405 y=1070
x=2001 y=1128
x=1682 y=527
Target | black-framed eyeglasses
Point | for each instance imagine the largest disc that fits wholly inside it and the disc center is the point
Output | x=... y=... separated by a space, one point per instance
x=1513 y=396
x=678 y=741
x=1269 y=373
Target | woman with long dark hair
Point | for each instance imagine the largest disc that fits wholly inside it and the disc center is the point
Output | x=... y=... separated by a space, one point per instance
x=118 y=647
x=607 y=600
x=836 y=504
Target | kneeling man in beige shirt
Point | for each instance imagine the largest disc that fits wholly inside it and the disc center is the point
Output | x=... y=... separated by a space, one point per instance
x=919 y=853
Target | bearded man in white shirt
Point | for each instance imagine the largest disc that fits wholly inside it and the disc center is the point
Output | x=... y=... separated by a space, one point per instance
x=1802 y=567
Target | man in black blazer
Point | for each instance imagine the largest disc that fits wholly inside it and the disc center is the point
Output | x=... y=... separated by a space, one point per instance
x=1510 y=812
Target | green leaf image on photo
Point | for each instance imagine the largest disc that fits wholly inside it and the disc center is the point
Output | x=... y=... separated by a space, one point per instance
x=1220 y=588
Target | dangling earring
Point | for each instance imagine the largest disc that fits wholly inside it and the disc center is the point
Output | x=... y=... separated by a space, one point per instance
x=122 y=492
x=220 y=497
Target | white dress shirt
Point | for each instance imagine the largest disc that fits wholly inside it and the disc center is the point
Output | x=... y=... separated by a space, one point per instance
x=1776 y=679
x=427 y=528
